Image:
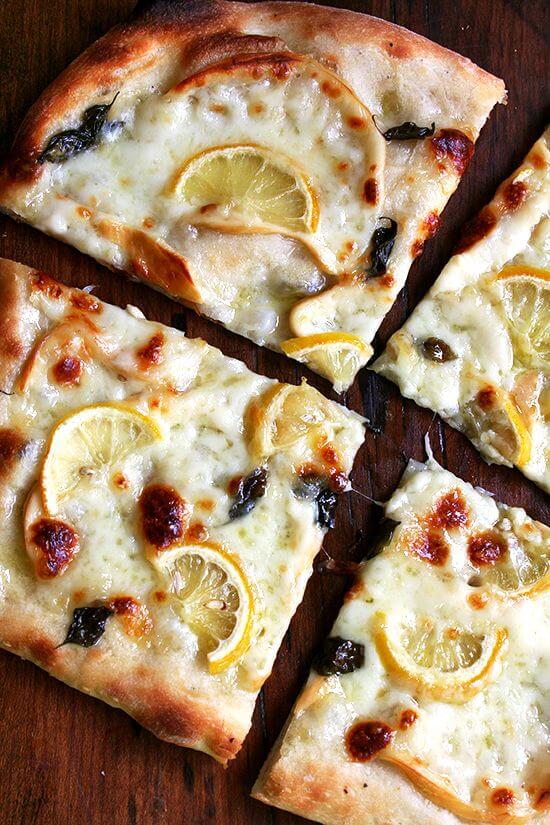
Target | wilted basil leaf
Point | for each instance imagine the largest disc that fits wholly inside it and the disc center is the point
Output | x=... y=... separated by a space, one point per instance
x=339 y=656
x=69 y=142
x=409 y=131
x=383 y=240
x=87 y=626
x=316 y=488
x=437 y=350
x=250 y=489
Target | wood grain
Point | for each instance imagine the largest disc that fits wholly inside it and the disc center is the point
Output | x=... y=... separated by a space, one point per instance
x=66 y=758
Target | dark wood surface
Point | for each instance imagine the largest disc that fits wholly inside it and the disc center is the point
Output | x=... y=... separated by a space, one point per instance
x=67 y=759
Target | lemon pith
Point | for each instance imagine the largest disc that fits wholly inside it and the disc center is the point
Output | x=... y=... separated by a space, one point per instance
x=213 y=596
x=89 y=442
x=248 y=186
x=448 y=664
x=526 y=302
x=336 y=355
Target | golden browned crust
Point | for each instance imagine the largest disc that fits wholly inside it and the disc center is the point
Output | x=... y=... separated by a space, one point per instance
x=133 y=684
x=19 y=321
x=174 y=39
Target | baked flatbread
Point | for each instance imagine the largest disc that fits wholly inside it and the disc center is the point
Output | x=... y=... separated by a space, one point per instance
x=477 y=348
x=430 y=703
x=161 y=506
x=276 y=166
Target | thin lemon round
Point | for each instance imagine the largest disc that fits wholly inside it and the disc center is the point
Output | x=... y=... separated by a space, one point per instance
x=524 y=570
x=337 y=356
x=449 y=664
x=248 y=187
x=525 y=296
x=214 y=598
x=88 y=443
x=498 y=423
x=287 y=415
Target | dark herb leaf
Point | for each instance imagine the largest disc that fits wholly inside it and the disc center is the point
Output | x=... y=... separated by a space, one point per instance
x=87 y=626
x=383 y=240
x=250 y=489
x=316 y=488
x=409 y=131
x=338 y=656
x=437 y=350
x=69 y=142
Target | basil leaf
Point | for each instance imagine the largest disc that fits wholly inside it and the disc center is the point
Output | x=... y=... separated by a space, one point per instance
x=383 y=240
x=316 y=488
x=408 y=131
x=339 y=656
x=437 y=350
x=70 y=142
x=87 y=626
x=249 y=491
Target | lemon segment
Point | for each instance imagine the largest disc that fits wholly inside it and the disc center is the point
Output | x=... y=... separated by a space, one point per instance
x=523 y=571
x=525 y=296
x=248 y=187
x=337 y=356
x=88 y=443
x=498 y=423
x=212 y=595
x=287 y=415
x=449 y=664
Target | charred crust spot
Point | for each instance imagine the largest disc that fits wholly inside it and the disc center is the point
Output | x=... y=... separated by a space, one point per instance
x=543 y=800
x=454 y=146
x=148 y=223
x=330 y=455
x=197 y=533
x=451 y=510
x=417 y=248
x=407 y=719
x=151 y=354
x=514 y=195
x=84 y=212
x=475 y=230
x=164 y=515
x=355 y=122
x=160 y=595
x=43 y=283
x=539 y=163
x=365 y=739
x=85 y=302
x=68 y=371
x=478 y=600
x=430 y=546
x=354 y=591
x=502 y=797
x=135 y=616
x=486 y=548
x=343 y=166
x=120 y=480
x=370 y=191
x=431 y=224
x=57 y=543
x=486 y=398
x=12 y=448
x=338 y=481
x=234 y=484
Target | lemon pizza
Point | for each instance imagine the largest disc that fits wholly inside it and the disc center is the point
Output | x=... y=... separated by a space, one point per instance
x=429 y=703
x=477 y=348
x=161 y=506
x=276 y=166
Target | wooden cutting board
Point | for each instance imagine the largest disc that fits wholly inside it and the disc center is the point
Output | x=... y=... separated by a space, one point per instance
x=67 y=759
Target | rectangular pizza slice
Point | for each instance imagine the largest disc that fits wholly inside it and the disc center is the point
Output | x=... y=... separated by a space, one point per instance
x=275 y=166
x=477 y=348
x=161 y=506
x=430 y=701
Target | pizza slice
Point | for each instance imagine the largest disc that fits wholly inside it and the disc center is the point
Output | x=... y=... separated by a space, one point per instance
x=477 y=348
x=275 y=166
x=429 y=703
x=161 y=506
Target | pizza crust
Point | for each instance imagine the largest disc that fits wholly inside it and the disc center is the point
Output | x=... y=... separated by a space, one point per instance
x=161 y=683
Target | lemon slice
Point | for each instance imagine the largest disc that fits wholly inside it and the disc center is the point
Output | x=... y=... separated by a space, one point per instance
x=523 y=569
x=248 y=187
x=88 y=443
x=214 y=598
x=287 y=415
x=526 y=301
x=450 y=664
x=337 y=356
x=494 y=419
